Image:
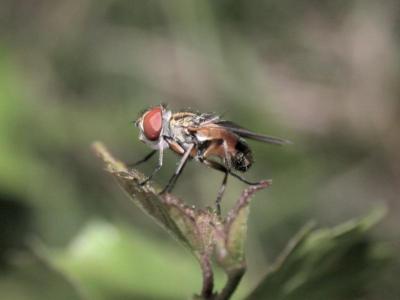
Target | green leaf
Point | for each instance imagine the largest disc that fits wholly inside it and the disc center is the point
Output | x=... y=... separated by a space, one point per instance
x=330 y=264
x=112 y=262
x=201 y=231
x=183 y=222
x=230 y=240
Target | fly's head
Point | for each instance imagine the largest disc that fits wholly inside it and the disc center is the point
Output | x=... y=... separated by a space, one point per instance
x=154 y=125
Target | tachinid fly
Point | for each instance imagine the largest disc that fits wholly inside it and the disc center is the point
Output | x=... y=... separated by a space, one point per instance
x=200 y=136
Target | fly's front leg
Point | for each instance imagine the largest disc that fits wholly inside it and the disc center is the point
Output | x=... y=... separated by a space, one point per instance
x=144 y=159
x=157 y=168
x=168 y=188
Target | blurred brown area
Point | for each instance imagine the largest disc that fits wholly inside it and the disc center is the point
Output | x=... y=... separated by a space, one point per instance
x=324 y=74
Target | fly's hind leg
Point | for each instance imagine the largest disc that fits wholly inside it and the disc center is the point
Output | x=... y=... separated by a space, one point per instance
x=220 y=167
x=242 y=179
x=217 y=166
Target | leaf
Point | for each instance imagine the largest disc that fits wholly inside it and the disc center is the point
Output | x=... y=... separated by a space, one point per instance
x=201 y=231
x=187 y=225
x=230 y=240
x=330 y=264
x=112 y=262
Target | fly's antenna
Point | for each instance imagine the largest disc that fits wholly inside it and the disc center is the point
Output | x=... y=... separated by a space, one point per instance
x=135 y=122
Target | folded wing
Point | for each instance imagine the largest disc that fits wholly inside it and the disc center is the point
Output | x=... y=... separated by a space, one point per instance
x=245 y=133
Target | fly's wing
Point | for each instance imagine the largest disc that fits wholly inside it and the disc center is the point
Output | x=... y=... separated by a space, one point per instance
x=208 y=118
x=251 y=135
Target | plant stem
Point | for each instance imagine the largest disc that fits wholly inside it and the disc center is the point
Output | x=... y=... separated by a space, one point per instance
x=208 y=277
x=233 y=281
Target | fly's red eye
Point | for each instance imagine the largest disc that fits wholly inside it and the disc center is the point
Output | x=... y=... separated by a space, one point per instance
x=152 y=123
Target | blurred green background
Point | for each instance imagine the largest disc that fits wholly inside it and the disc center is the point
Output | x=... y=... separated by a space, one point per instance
x=324 y=74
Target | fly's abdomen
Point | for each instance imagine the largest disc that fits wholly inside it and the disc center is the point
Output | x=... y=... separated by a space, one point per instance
x=243 y=158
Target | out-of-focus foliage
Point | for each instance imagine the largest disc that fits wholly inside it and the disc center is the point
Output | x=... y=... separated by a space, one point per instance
x=112 y=262
x=323 y=74
x=333 y=264
x=33 y=278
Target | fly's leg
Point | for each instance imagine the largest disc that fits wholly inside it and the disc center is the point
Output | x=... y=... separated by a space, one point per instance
x=144 y=159
x=228 y=157
x=228 y=166
x=171 y=183
x=157 y=168
x=242 y=179
x=217 y=166
x=220 y=167
x=227 y=169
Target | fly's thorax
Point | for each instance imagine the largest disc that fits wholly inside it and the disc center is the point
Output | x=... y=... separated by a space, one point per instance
x=179 y=130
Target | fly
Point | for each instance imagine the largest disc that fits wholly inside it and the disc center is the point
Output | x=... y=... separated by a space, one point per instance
x=206 y=138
